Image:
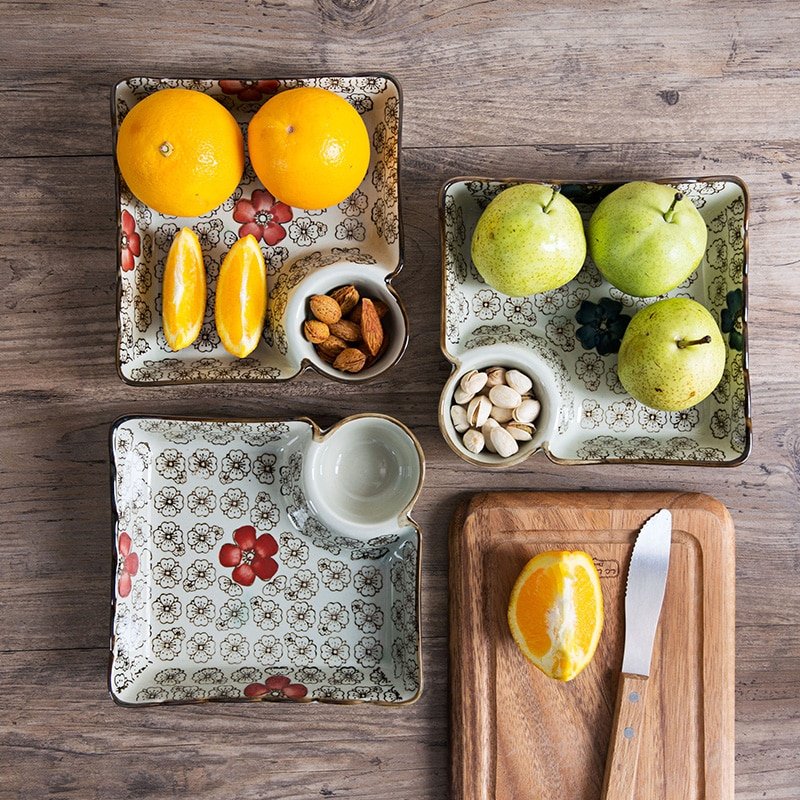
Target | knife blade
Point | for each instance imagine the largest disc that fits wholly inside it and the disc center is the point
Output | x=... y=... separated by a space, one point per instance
x=644 y=596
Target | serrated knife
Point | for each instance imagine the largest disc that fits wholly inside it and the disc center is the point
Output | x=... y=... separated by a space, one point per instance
x=644 y=595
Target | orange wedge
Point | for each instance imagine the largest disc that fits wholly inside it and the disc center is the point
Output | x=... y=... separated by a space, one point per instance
x=184 y=291
x=241 y=304
x=556 y=612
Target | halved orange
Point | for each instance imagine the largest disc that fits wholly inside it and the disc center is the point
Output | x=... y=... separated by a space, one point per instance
x=556 y=612
x=241 y=304
x=184 y=290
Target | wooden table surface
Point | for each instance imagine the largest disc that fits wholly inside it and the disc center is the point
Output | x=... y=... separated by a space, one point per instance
x=575 y=90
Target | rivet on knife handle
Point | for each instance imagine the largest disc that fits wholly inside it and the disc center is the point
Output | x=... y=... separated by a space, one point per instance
x=626 y=736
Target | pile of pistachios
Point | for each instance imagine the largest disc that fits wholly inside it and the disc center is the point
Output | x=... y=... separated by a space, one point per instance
x=494 y=409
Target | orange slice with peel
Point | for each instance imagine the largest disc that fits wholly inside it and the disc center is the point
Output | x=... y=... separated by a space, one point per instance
x=184 y=290
x=556 y=612
x=241 y=304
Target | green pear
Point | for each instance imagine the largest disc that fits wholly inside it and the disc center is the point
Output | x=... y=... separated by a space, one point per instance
x=529 y=239
x=672 y=355
x=646 y=238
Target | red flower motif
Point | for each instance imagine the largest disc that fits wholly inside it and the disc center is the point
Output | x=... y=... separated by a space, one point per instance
x=130 y=565
x=278 y=686
x=251 y=556
x=249 y=90
x=262 y=215
x=130 y=244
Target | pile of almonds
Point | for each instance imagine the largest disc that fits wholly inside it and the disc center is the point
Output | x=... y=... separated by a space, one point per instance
x=346 y=329
x=494 y=409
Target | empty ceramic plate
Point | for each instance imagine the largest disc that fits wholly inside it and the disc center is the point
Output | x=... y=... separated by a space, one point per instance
x=265 y=561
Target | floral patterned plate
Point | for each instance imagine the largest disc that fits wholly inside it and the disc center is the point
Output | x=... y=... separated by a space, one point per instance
x=359 y=241
x=265 y=561
x=570 y=337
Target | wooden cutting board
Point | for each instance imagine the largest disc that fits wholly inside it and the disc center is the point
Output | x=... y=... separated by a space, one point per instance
x=518 y=735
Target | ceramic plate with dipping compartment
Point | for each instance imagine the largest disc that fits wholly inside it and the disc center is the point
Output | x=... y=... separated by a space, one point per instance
x=358 y=242
x=587 y=416
x=262 y=560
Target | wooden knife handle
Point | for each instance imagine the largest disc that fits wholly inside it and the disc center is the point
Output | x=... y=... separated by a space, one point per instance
x=626 y=736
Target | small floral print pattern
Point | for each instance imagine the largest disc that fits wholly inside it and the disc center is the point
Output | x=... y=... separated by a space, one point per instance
x=335 y=574
x=293 y=551
x=350 y=229
x=234 y=648
x=168 y=644
x=169 y=501
x=368 y=651
x=368 y=581
x=249 y=90
x=301 y=616
x=267 y=614
x=300 y=649
x=684 y=420
x=561 y=332
x=262 y=216
x=354 y=205
x=590 y=368
x=304 y=231
x=128 y=562
x=203 y=538
x=167 y=608
x=593 y=414
x=486 y=304
x=203 y=463
x=234 y=613
x=200 y=574
x=167 y=573
x=264 y=468
x=602 y=325
x=335 y=651
x=276 y=687
x=168 y=537
x=234 y=503
x=519 y=311
x=130 y=243
x=251 y=556
x=265 y=513
x=333 y=617
x=303 y=585
x=268 y=649
x=236 y=466
x=619 y=416
x=721 y=423
x=201 y=611
x=651 y=419
x=368 y=616
x=201 y=501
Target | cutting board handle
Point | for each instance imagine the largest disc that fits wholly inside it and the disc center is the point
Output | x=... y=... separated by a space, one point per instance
x=626 y=736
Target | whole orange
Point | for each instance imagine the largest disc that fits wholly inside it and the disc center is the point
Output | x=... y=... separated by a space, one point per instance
x=309 y=147
x=180 y=152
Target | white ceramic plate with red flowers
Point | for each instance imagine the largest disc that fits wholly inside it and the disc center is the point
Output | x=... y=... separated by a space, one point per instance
x=238 y=578
x=359 y=239
x=569 y=337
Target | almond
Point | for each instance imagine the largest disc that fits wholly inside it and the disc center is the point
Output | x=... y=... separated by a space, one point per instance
x=315 y=331
x=346 y=330
x=380 y=307
x=350 y=360
x=347 y=297
x=325 y=309
x=371 y=328
x=331 y=347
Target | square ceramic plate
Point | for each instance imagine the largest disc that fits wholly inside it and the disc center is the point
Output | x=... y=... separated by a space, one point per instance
x=253 y=562
x=593 y=420
x=358 y=241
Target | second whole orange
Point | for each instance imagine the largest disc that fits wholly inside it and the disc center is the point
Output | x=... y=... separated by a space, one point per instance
x=309 y=147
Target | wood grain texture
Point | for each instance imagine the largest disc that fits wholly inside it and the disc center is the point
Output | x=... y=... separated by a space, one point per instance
x=516 y=733
x=575 y=89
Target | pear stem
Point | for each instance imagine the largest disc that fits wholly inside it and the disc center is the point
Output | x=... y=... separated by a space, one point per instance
x=556 y=190
x=671 y=210
x=683 y=343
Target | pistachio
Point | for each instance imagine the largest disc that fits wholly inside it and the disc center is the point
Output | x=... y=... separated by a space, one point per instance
x=518 y=381
x=486 y=430
x=520 y=431
x=503 y=442
x=495 y=376
x=501 y=414
x=473 y=381
x=474 y=441
x=527 y=411
x=505 y=396
x=461 y=397
x=459 y=416
x=478 y=411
